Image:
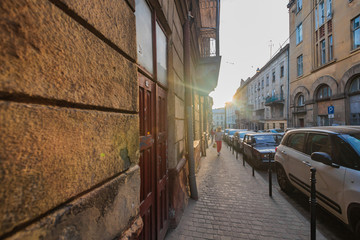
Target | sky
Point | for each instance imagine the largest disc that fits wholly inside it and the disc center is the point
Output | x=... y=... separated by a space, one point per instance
x=246 y=29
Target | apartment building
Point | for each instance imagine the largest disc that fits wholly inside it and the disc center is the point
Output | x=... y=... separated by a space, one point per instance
x=218 y=117
x=264 y=103
x=324 y=62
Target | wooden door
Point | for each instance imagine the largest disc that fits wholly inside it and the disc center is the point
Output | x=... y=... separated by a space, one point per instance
x=154 y=199
x=161 y=163
x=147 y=157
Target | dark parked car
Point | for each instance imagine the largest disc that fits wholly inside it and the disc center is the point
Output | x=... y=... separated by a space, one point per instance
x=335 y=153
x=239 y=138
x=259 y=147
x=275 y=130
x=231 y=136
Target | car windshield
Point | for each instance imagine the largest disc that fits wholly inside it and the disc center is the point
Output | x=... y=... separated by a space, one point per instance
x=354 y=140
x=232 y=132
x=241 y=135
x=267 y=139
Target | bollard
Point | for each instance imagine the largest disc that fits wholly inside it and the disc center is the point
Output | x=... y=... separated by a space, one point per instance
x=270 y=177
x=313 y=203
x=233 y=147
x=237 y=153
x=243 y=160
x=253 y=171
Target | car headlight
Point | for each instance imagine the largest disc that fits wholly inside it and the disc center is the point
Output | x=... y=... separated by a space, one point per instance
x=265 y=155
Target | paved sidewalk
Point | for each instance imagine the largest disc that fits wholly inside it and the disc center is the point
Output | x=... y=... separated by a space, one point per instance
x=235 y=205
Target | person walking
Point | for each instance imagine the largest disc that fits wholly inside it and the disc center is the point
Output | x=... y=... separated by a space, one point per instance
x=218 y=139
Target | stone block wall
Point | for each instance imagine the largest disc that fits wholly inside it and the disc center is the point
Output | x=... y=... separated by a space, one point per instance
x=68 y=119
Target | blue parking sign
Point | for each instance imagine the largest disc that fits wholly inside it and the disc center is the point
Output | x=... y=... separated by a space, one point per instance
x=331 y=110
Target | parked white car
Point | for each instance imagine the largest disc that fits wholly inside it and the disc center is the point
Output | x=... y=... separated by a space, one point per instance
x=335 y=153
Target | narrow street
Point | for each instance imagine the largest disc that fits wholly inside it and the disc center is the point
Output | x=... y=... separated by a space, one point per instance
x=235 y=205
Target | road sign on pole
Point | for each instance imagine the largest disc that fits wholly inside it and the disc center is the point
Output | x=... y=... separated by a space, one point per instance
x=331 y=111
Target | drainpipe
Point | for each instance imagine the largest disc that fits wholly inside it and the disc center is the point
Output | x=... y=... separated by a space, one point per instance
x=188 y=106
x=217 y=28
x=288 y=90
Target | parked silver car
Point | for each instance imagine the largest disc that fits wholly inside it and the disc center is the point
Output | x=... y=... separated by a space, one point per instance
x=335 y=153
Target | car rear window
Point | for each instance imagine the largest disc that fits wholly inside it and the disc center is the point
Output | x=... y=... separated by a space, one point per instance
x=296 y=141
x=273 y=139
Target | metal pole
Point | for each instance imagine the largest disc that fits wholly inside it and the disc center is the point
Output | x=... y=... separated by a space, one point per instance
x=270 y=177
x=253 y=171
x=313 y=203
x=233 y=147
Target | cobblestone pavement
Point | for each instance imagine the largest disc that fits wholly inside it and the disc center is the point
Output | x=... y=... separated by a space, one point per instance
x=235 y=205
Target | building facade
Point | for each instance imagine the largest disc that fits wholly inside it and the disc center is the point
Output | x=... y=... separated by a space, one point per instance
x=102 y=112
x=263 y=99
x=218 y=118
x=230 y=115
x=324 y=62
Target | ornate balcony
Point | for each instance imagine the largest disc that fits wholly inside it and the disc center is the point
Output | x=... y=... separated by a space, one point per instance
x=275 y=99
x=209 y=62
x=299 y=109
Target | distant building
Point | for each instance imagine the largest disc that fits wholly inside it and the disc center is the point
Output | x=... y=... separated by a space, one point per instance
x=230 y=113
x=324 y=62
x=262 y=100
x=218 y=116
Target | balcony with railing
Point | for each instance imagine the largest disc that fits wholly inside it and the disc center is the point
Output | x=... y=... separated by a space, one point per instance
x=209 y=62
x=275 y=99
x=299 y=109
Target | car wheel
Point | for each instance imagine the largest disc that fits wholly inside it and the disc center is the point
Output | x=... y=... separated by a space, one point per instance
x=357 y=229
x=283 y=180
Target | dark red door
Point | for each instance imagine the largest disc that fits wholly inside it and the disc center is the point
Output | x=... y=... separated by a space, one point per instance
x=154 y=200
x=161 y=163
x=147 y=157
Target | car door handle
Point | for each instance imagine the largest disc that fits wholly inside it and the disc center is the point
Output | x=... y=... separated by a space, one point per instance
x=283 y=152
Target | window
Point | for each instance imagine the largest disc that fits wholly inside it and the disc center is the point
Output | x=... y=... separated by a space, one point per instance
x=161 y=55
x=355 y=29
x=296 y=141
x=318 y=143
x=344 y=154
x=262 y=83
x=321 y=13
x=301 y=100
x=282 y=71
x=355 y=85
x=322 y=52
x=267 y=80
x=316 y=18
x=324 y=92
x=300 y=65
x=273 y=76
x=299 y=34
x=144 y=35
x=273 y=125
x=329 y=9
x=331 y=51
x=299 y=5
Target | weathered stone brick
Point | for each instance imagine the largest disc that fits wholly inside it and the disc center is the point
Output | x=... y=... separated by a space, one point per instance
x=96 y=215
x=46 y=53
x=114 y=19
x=51 y=154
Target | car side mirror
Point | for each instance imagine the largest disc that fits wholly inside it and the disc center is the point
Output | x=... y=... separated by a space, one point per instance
x=323 y=158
